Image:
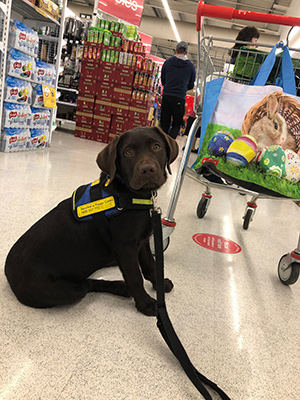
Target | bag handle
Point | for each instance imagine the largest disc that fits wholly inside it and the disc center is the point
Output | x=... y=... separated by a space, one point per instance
x=286 y=80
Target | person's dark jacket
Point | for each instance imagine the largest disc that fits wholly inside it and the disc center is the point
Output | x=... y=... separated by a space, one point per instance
x=177 y=77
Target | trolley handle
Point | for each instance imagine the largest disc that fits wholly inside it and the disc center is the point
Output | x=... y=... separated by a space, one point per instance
x=208 y=10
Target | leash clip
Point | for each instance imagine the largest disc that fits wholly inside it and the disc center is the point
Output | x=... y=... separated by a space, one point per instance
x=154 y=201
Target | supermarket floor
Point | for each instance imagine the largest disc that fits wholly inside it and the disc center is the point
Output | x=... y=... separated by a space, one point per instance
x=238 y=323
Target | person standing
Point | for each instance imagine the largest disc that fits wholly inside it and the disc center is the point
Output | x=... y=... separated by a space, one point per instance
x=178 y=75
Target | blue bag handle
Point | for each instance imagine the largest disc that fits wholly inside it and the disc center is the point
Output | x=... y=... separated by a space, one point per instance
x=286 y=80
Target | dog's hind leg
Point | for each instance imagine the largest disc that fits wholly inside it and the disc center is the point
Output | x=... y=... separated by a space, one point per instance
x=115 y=287
x=45 y=293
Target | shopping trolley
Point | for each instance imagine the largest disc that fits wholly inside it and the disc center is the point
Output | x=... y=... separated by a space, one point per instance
x=214 y=62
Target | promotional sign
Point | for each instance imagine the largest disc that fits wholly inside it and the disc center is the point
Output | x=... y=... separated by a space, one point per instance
x=216 y=243
x=128 y=10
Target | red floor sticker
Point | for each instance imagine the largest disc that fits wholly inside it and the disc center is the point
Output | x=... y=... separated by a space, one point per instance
x=216 y=243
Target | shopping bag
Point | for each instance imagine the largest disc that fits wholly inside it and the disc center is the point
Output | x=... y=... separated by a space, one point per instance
x=236 y=121
x=248 y=62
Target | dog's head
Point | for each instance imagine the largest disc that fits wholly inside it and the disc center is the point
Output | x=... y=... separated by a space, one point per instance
x=140 y=157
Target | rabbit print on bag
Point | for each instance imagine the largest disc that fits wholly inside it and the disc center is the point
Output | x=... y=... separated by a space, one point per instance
x=274 y=120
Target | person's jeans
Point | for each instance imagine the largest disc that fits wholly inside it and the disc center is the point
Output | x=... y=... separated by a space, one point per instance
x=172 y=109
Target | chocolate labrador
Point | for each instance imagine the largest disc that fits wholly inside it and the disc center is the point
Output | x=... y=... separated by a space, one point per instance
x=104 y=223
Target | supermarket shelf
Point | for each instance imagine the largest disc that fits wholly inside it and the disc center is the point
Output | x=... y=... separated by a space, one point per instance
x=2 y=44
x=30 y=11
x=67 y=89
x=65 y=103
x=3 y=7
x=65 y=121
x=49 y=38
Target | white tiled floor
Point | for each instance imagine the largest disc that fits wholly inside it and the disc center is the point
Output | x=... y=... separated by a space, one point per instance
x=238 y=323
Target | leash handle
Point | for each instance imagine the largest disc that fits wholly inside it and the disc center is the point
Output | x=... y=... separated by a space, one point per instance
x=164 y=324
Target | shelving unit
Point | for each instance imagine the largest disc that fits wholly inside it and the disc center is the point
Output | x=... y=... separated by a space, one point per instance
x=75 y=31
x=29 y=11
x=67 y=89
x=49 y=46
x=5 y=9
x=65 y=103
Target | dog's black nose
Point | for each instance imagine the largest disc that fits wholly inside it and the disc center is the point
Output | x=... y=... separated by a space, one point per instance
x=147 y=168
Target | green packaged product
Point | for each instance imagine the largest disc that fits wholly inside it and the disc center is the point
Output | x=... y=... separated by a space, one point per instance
x=117 y=27
x=91 y=35
x=106 y=24
x=96 y=35
x=116 y=57
x=112 y=26
x=107 y=56
x=112 y=56
x=112 y=40
x=106 y=38
x=100 y=36
x=103 y=55
x=118 y=41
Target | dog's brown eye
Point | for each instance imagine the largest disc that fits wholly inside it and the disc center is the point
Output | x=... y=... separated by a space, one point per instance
x=156 y=146
x=129 y=152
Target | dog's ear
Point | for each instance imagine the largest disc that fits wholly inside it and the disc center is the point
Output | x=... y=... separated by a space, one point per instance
x=107 y=157
x=172 y=147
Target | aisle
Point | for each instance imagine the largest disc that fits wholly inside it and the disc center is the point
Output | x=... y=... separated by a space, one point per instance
x=238 y=323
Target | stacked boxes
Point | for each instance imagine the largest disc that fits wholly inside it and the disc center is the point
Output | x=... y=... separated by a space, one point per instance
x=115 y=95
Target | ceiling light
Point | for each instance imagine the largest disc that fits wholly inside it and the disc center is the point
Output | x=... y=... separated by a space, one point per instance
x=169 y=14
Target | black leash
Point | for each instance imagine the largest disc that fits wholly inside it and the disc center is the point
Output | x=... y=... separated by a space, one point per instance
x=164 y=324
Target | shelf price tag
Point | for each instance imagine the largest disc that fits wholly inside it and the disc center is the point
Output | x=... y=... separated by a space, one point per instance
x=49 y=96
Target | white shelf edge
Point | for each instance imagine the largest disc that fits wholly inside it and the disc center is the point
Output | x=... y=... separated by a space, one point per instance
x=66 y=120
x=65 y=103
x=67 y=89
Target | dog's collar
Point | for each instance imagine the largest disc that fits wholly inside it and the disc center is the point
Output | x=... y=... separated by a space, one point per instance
x=95 y=198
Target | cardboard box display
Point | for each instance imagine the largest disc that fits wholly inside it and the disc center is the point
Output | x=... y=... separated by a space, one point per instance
x=118 y=124
x=138 y=114
x=119 y=109
x=100 y=121
x=85 y=103
x=84 y=118
x=135 y=124
x=105 y=71
x=89 y=70
x=102 y=107
x=112 y=136
x=87 y=87
x=140 y=104
x=104 y=91
x=100 y=136
x=84 y=133
x=124 y=75
x=121 y=94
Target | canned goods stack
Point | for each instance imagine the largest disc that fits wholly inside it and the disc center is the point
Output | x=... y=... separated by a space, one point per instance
x=116 y=85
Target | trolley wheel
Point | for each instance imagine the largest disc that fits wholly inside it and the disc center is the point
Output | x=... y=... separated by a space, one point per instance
x=247 y=218
x=290 y=275
x=166 y=243
x=202 y=207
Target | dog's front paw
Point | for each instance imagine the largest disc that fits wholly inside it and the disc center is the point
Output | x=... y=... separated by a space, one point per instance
x=168 y=284
x=146 y=306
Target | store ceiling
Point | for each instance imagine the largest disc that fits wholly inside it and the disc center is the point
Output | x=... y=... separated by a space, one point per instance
x=184 y=13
